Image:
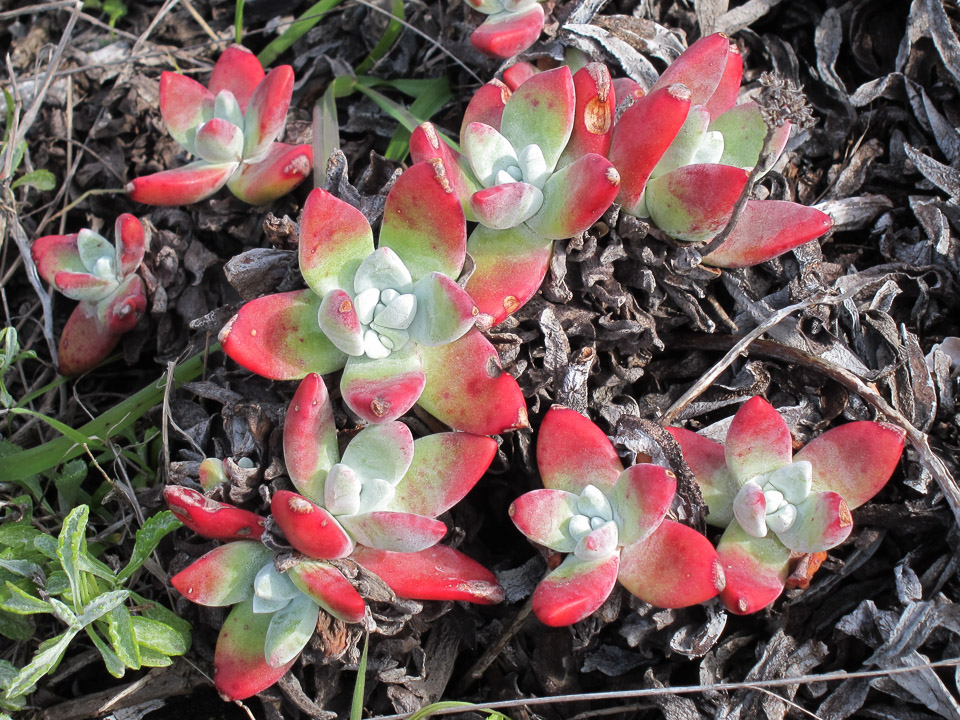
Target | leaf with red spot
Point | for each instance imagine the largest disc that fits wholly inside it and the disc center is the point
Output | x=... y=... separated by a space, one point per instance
x=380 y=390
x=309 y=527
x=310 y=437
x=395 y=531
x=224 y=575
x=468 y=390
x=700 y=67
x=575 y=197
x=280 y=170
x=277 y=336
x=540 y=112
x=517 y=74
x=641 y=136
x=709 y=466
x=695 y=202
x=674 y=567
x=596 y=107
x=266 y=112
x=768 y=228
x=184 y=104
x=854 y=460
x=641 y=498
x=505 y=34
x=181 y=186
x=758 y=440
x=755 y=569
x=543 y=516
x=327 y=587
x=212 y=519
x=238 y=71
x=437 y=573
x=240 y=668
x=575 y=590
x=56 y=253
x=486 y=105
x=423 y=222
x=572 y=453
x=427 y=145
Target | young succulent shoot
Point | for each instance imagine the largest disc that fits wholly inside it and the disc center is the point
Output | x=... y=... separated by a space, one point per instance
x=375 y=506
x=393 y=318
x=613 y=523
x=511 y=26
x=775 y=504
x=231 y=128
x=685 y=152
x=532 y=171
x=84 y=266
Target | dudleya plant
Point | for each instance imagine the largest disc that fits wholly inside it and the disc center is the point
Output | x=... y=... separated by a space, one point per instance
x=511 y=26
x=375 y=508
x=84 y=266
x=685 y=151
x=613 y=523
x=532 y=170
x=231 y=127
x=775 y=504
x=393 y=318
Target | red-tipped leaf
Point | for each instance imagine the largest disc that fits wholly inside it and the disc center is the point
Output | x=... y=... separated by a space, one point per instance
x=486 y=105
x=184 y=104
x=755 y=569
x=695 y=202
x=238 y=71
x=327 y=587
x=728 y=88
x=641 y=498
x=280 y=171
x=758 y=440
x=383 y=389
x=310 y=437
x=575 y=197
x=575 y=590
x=309 y=528
x=224 y=575
x=593 y=117
x=212 y=519
x=240 y=669
x=506 y=34
x=709 y=466
x=84 y=342
x=572 y=453
x=266 y=112
x=181 y=186
x=426 y=144
x=130 y=243
x=700 y=68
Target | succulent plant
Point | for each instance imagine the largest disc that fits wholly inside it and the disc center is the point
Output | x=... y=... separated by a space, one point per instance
x=613 y=523
x=510 y=28
x=532 y=170
x=394 y=318
x=685 y=151
x=231 y=129
x=374 y=507
x=773 y=503
x=84 y=266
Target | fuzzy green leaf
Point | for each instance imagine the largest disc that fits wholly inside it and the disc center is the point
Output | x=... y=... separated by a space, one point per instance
x=149 y=536
x=43 y=662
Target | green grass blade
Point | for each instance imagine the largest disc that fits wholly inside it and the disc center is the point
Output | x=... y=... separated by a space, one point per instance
x=386 y=42
x=356 y=706
x=238 y=23
x=298 y=28
x=434 y=96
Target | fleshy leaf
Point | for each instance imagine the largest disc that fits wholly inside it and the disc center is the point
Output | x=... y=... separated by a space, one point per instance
x=700 y=67
x=309 y=528
x=743 y=131
x=56 y=253
x=758 y=440
x=502 y=207
x=486 y=105
x=750 y=509
x=224 y=575
x=278 y=336
x=572 y=453
x=540 y=112
x=310 y=437
x=238 y=71
x=755 y=569
x=517 y=74
x=339 y=322
x=823 y=522
x=335 y=238
x=120 y=311
x=505 y=34
x=575 y=197
x=641 y=136
x=709 y=466
x=426 y=145
x=423 y=221
x=599 y=543
x=674 y=567
x=594 y=114
x=381 y=451
x=728 y=89
x=383 y=389
x=685 y=145
x=240 y=668
x=212 y=519
x=489 y=152
x=854 y=460
x=445 y=311
x=695 y=202
x=84 y=342
x=184 y=104
x=468 y=390
x=768 y=228
x=437 y=573
x=444 y=468
x=290 y=630
x=94 y=251
x=181 y=186
x=327 y=587
x=641 y=498
x=543 y=515
x=219 y=141
x=266 y=112
x=281 y=169
x=574 y=590
x=83 y=286
x=509 y=267
x=128 y=233
x=394 y=531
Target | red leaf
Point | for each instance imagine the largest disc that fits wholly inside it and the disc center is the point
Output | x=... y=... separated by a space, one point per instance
x=212 y=519
x=310 y=528
x=238 y=71
x=572 y=452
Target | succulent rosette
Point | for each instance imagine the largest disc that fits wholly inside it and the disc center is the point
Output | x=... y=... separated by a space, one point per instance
x=375 y=507
x=613 y=523
x=686 y=149
x=775 y=504
x=511 y=26
x=532 y=170
x=231 y=128
x=393 y=318
x=84 y=266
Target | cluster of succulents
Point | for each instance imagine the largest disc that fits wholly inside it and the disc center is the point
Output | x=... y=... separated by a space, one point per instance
x=402 y=320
